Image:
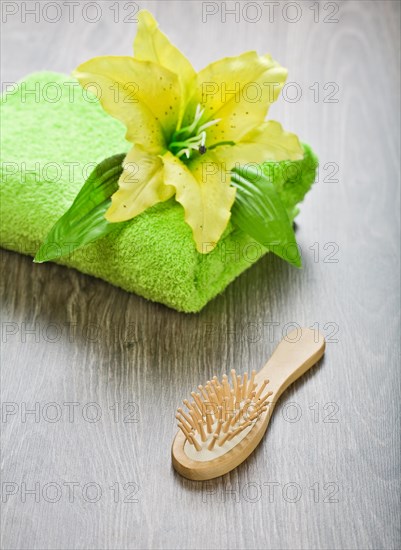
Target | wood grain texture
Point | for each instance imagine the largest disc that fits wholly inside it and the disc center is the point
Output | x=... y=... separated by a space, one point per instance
x=313 y=483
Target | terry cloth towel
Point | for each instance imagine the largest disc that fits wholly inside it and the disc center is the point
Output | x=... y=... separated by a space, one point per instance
x=53 y=134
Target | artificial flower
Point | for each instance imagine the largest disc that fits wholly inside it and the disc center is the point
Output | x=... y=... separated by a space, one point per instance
x=188 y=129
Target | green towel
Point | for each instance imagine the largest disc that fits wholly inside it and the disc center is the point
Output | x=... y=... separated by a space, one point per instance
x=53 y=134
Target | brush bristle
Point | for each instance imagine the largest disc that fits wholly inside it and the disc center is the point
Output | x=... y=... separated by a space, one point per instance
x=221 y=410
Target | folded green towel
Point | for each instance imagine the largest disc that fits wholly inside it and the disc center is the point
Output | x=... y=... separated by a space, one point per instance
x=53 y=134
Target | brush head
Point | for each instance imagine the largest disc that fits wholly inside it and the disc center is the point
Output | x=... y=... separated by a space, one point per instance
x=221 y=414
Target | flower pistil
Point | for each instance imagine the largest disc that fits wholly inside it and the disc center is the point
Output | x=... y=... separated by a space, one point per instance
x=191 y=138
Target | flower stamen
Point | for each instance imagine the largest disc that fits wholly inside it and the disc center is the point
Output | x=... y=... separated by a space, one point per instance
x=192 y=137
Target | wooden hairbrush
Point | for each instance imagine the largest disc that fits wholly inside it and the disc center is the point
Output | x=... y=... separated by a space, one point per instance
x=226 y=419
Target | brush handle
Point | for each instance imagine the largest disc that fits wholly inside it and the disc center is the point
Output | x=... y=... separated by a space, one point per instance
x=294 y=355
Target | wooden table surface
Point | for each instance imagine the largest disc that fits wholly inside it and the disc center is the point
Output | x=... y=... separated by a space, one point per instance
x=103 y=371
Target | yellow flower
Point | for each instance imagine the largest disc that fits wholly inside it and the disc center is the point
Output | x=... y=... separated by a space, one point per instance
x=188 y=129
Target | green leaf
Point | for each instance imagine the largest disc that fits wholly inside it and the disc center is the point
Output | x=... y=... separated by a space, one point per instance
x=259 y=212
x=84 y=221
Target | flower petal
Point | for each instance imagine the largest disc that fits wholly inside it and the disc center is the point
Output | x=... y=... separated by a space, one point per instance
x=267 y=142
x=239 y=91
x=142 y=94
x=204 y=191
x=141 y=185
x=151 y=44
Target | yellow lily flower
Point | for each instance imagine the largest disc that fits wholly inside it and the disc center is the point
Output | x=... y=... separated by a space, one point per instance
x=188 y=129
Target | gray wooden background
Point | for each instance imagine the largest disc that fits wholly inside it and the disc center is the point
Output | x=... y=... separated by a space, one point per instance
x=105 y=370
